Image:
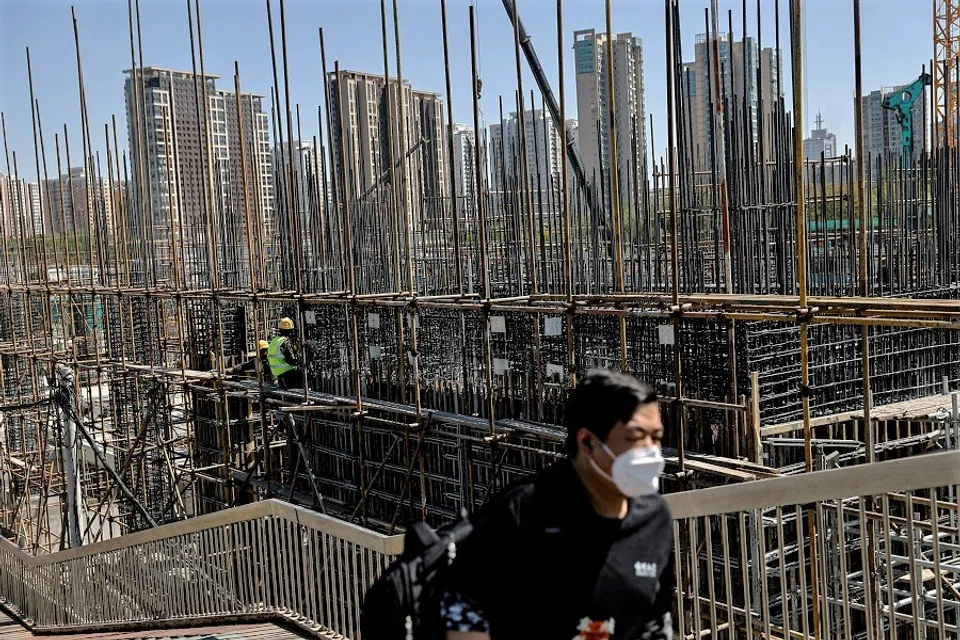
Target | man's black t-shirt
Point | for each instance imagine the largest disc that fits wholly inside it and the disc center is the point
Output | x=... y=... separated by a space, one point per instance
x=542 y=563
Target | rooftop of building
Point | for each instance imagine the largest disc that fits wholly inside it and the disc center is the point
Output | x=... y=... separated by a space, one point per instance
x=361 y=74
x=249 y=94
x=177 y=72
x=379 y=76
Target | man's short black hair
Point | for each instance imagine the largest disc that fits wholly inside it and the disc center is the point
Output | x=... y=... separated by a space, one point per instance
x=601 y=400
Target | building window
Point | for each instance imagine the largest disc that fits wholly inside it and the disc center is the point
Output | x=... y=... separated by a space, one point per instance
x=585 y=56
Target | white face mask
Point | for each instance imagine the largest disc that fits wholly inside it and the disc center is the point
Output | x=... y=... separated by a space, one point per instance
x=635 y=472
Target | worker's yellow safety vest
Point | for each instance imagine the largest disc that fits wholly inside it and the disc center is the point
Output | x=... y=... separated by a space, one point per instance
x=275 y=358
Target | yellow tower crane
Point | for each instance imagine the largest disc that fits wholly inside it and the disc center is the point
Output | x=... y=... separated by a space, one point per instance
x=946 y=56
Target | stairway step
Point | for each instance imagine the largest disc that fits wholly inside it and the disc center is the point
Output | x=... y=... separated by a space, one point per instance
x=10 y=629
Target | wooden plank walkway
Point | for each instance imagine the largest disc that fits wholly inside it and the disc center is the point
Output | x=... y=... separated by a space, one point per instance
x=918 y=408
x=12 y=630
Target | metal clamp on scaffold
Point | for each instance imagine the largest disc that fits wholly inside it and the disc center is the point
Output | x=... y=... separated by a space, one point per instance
x=806 y=314
x=677 y=310
x=806 y=391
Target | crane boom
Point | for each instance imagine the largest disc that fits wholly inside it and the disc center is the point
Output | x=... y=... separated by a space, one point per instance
x=901 y=102
x=573 y=157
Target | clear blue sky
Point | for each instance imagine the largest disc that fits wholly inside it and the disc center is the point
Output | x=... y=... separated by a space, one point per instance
x=897 y=40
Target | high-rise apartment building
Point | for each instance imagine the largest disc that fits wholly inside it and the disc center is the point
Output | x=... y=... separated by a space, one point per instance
x=192 y=156
x=76 y=202
x=881 y=131
x=10 y=206
x=497 y=157
x=370 y=127
x=739 y=66
x=593 y=110
x=35 y=198
x=464 y=167
x=307 y=194
x=20 y=208
x=309 y=181
x=6 y=207
x=543 y=151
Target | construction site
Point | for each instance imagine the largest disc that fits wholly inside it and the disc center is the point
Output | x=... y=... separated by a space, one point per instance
x=795 y=316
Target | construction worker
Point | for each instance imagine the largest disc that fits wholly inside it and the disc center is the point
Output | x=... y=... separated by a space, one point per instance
x=284 y=357
x=251 y=364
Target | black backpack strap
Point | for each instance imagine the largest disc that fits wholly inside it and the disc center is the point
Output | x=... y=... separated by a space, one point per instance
x=418 y=537
x=452 y=534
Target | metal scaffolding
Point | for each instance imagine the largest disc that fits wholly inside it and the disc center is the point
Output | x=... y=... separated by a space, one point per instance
x=761 y=294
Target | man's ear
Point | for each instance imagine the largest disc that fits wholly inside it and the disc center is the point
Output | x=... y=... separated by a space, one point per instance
x=585 y=437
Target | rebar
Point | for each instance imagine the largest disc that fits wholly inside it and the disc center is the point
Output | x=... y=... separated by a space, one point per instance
x=443 y=327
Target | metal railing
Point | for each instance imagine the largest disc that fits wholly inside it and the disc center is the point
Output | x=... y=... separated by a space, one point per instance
x=869 y=551
x=262 y=560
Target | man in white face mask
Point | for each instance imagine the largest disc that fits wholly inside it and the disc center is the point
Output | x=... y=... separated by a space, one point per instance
x=583 y=549
x=626 y=464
